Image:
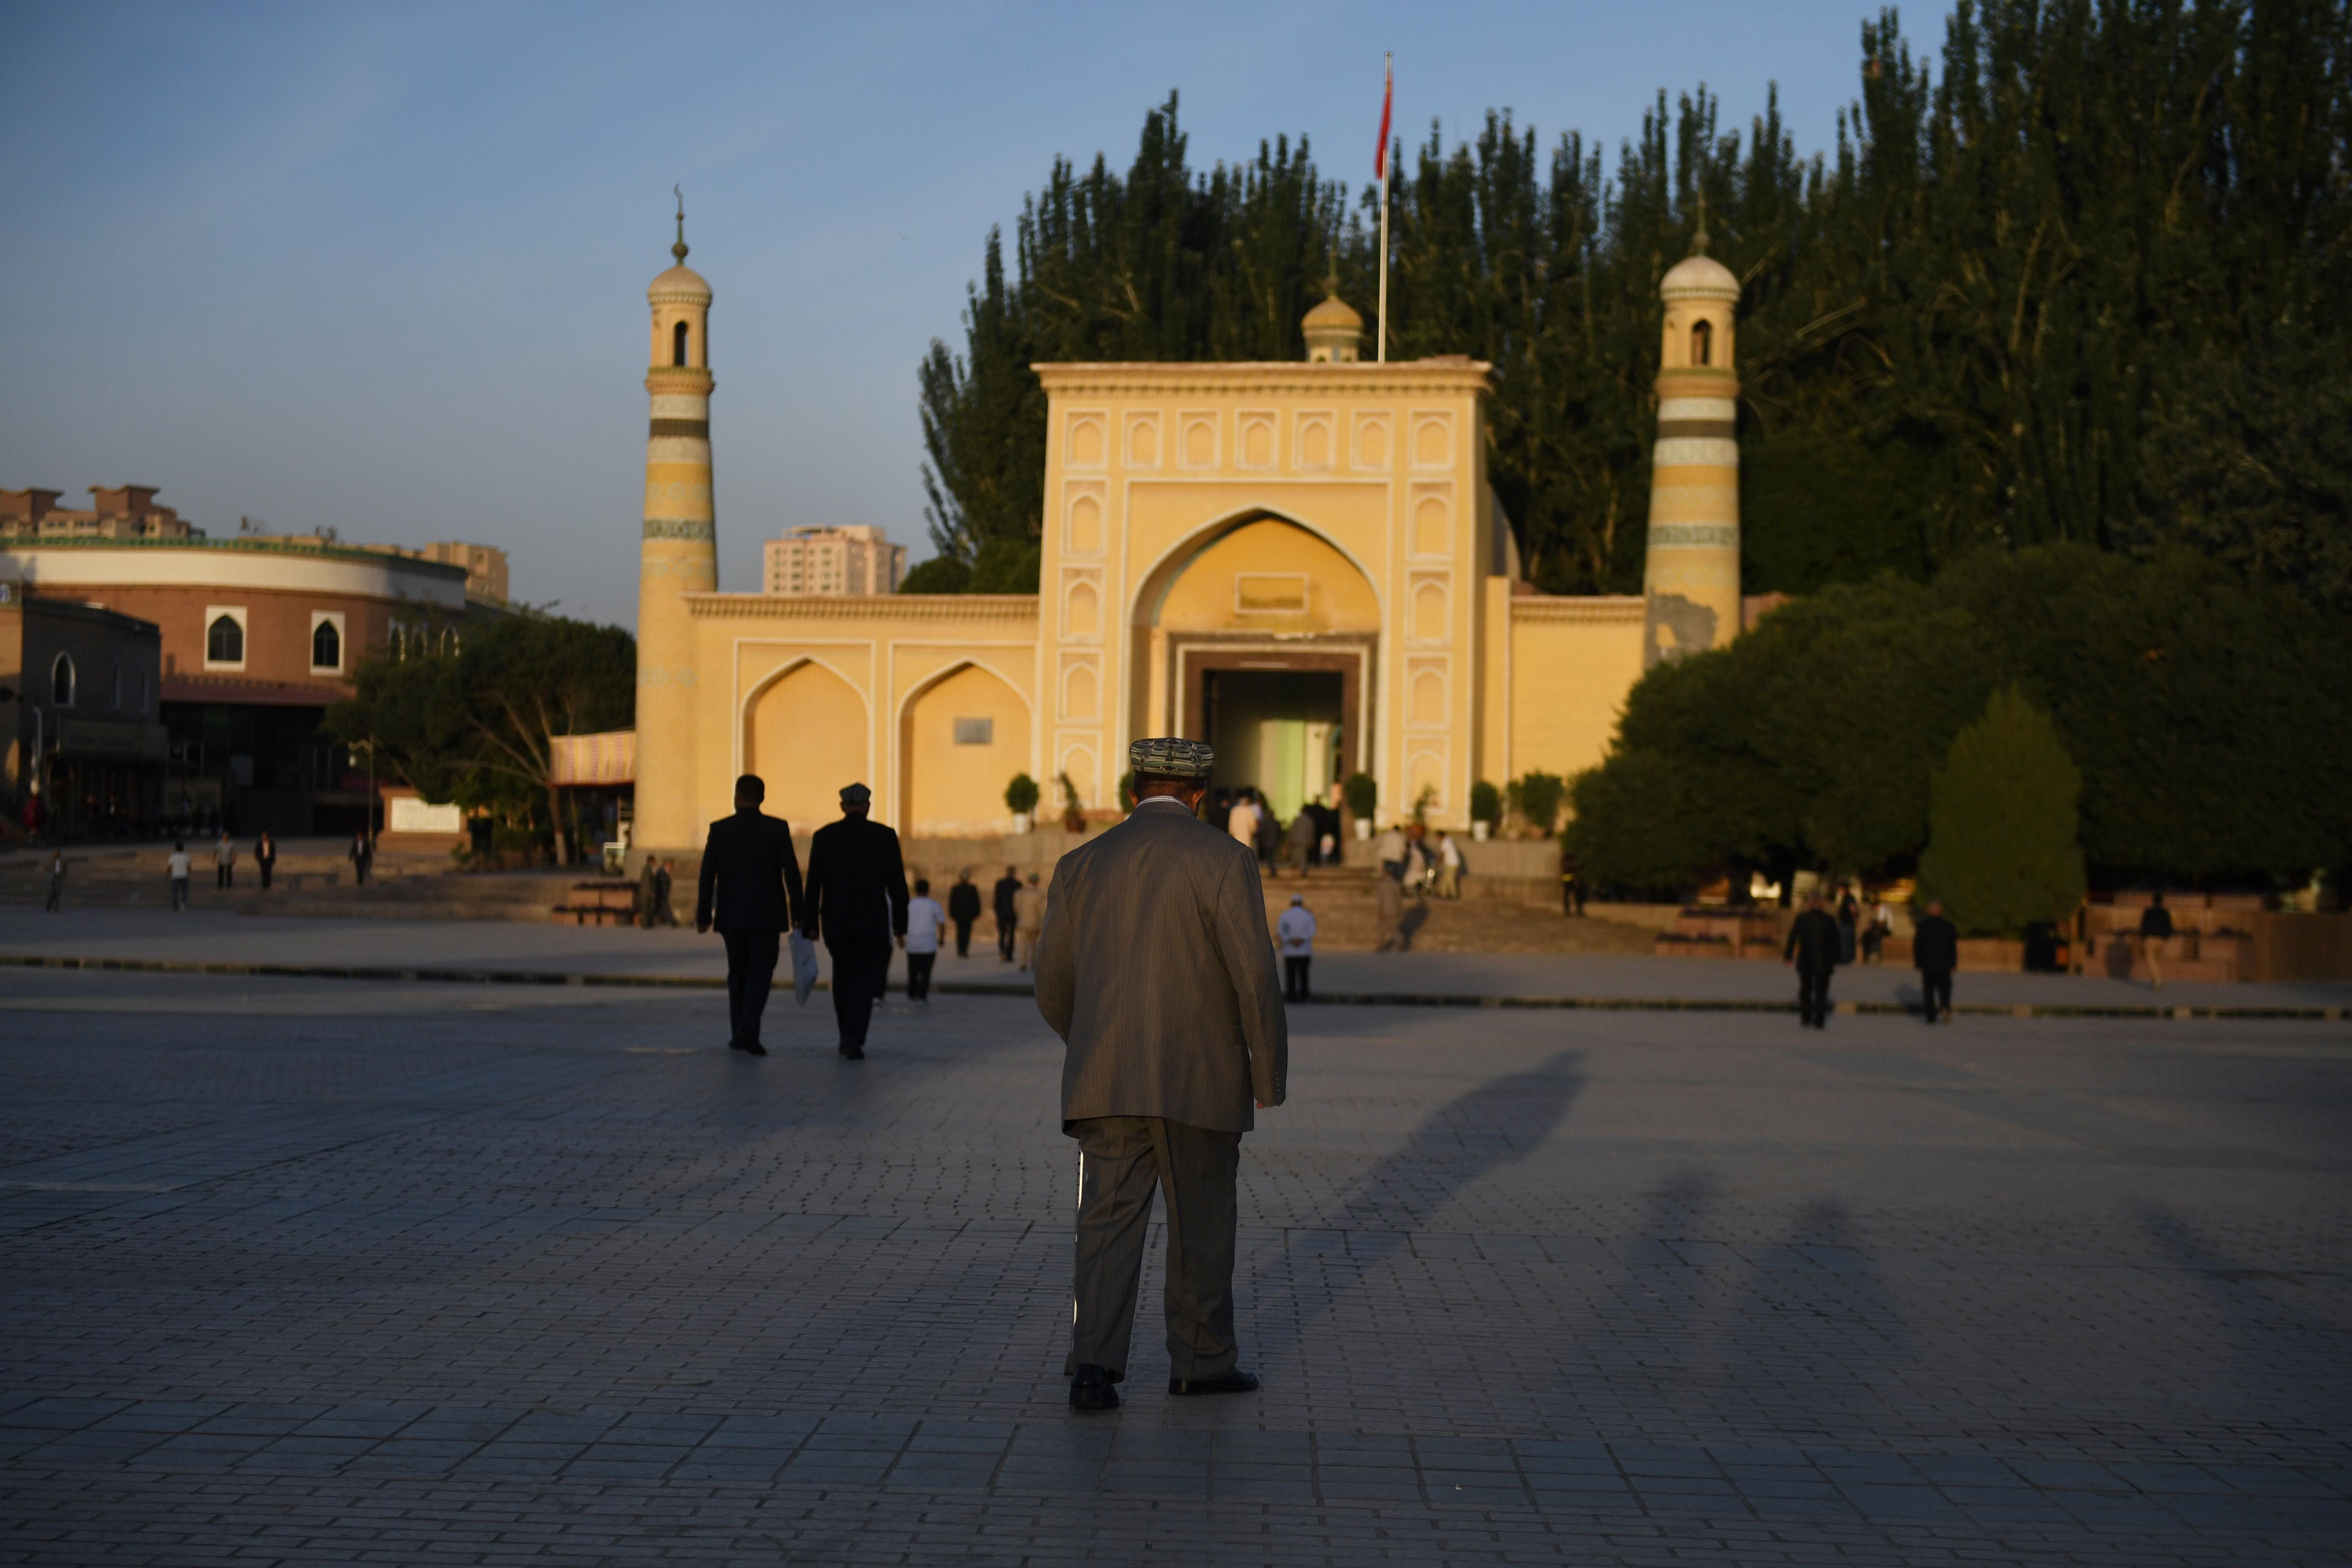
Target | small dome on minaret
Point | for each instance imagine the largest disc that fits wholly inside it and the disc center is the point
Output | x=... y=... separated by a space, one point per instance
x=1334 y=333
x=681 y=285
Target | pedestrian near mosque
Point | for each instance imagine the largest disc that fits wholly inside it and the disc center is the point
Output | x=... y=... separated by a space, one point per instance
x=1242 y=822
x=857 y=897
x=265 y=857
x=1449 y=867
x=57 y=879
x=1007 y=891
x=664 y=880
x=175 y=872
x=925 y=922
x=224 y=861
x=750 y=890
x=1813 y=949
x=1936 y=949
x=361 y=855
x=1157 y=971
x=1295 y=931
x=1029 y=918
x=643 y=893
x=964 y=908
x=2155 y=932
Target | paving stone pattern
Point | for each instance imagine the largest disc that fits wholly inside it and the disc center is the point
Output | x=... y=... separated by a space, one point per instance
x=313 y=1272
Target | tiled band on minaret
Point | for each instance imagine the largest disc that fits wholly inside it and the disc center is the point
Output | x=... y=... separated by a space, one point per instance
x=1690 y=587
x=679 y=553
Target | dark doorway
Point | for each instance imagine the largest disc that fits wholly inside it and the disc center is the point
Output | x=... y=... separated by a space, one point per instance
x=1277 y=731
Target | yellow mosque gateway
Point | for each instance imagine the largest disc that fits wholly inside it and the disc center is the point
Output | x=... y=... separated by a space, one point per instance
x=1301 y=564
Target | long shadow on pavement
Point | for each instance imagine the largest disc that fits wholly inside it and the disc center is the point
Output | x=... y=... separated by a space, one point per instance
x=1496 y=1124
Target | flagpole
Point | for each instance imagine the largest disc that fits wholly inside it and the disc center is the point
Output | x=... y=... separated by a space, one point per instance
x=1389 y=68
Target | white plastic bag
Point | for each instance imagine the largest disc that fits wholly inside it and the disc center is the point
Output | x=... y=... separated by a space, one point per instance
x=803 y=967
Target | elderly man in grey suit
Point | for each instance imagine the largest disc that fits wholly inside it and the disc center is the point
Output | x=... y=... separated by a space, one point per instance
x=1156 y=970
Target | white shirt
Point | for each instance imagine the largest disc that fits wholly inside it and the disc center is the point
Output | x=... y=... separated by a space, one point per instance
x=924 y=918
x=1296 y=930
x=1243 y=823
x=1390 y=845
x=1448 y=855
x=179 y=865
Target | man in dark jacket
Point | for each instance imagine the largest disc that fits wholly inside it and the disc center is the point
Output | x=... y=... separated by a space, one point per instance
x=964 y=908
x=857 y=896
x=1008 y=888
x=1936 y=949
x=751 y=890
x=2155 y=931
x=1814 y=949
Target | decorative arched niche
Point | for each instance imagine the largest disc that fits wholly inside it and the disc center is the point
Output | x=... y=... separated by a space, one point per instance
x=961 y=737
x=805 y=734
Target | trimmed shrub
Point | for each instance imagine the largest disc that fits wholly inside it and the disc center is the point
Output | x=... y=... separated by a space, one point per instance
x=2004 y=847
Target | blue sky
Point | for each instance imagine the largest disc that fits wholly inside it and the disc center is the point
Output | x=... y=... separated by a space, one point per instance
x=381 y=268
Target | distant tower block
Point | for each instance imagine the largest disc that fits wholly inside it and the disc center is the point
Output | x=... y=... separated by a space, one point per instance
x=679 y=554
x=1691 y=583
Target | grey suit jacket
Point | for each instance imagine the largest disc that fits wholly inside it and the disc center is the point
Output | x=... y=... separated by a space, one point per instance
x=1156 y=969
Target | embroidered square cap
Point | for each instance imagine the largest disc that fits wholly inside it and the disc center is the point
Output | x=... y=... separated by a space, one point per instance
x=1169 y=757
x=855 y=794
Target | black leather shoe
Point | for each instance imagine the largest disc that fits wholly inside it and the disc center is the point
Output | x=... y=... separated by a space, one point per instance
x=752 y=1048
x=854 y=1053
x=1234 y=1382
x=1091 y=1389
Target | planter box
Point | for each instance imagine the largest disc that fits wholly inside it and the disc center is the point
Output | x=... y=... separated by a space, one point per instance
x=1991 y=955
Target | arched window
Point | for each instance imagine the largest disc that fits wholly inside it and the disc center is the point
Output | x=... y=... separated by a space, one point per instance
x=677 y=343
x=224 y=641
x=61 y=681
x=1703 y=344
x=326 y=647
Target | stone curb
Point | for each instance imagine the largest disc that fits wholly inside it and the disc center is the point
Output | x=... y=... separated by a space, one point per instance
x=1328 y=998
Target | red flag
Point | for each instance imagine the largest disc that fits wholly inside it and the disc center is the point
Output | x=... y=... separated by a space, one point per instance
x=1387 y=97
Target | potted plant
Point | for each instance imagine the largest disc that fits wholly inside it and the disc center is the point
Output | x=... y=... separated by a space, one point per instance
x=1485 y=810
x=1021 y=799
x=1073 y=816
x=1538 y=796
x=1361 y=796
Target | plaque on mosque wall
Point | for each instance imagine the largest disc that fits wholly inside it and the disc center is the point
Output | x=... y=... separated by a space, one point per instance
x=975 y=731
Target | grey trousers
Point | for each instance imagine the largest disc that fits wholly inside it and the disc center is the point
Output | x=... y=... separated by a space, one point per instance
x=1121 y=1160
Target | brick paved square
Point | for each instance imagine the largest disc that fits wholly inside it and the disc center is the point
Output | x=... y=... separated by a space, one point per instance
x=308 y=1271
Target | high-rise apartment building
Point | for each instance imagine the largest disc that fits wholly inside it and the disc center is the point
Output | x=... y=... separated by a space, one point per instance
x=856 y=558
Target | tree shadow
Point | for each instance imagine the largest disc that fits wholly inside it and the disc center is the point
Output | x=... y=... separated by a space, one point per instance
x=1462 y=1142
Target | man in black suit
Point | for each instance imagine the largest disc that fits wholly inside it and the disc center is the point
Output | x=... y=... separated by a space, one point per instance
x=1814 y=949
x=1008 y=888
x=858 y=895
x=1936 y=949
x=751 y=890
x=964 y=908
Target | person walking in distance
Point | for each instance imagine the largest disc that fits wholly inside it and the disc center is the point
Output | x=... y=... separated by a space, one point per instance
x=664 y=880
x=1029 y=916
x=56 y=881
x=1008 y=889
x=265 y=857
x=1813 y=949
x=175 y=871
x=1936 y=949
x=2155 y=931
x=964 y=908
x=1242 y=821
x=925 y=922
x=361 y=855
x=643 y=895
x=1295 y=931
x=858 y=898
x=750 y=890
x=224 y=861
x=1449 y=867
x=1392 y=851
x=1157 y=971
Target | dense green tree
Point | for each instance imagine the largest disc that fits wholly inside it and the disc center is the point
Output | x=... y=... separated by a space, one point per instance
x=2204 y=709
x=2085 y=278
x=477 y=725
x=2002 y=851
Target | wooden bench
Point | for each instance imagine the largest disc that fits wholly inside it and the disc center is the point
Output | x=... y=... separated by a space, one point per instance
x=604 y=900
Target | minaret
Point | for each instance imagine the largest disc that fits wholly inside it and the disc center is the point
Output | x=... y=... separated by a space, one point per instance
x=1692 y=581
x=679 y=554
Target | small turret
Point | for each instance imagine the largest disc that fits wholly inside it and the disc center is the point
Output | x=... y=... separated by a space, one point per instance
x=1334 y=333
